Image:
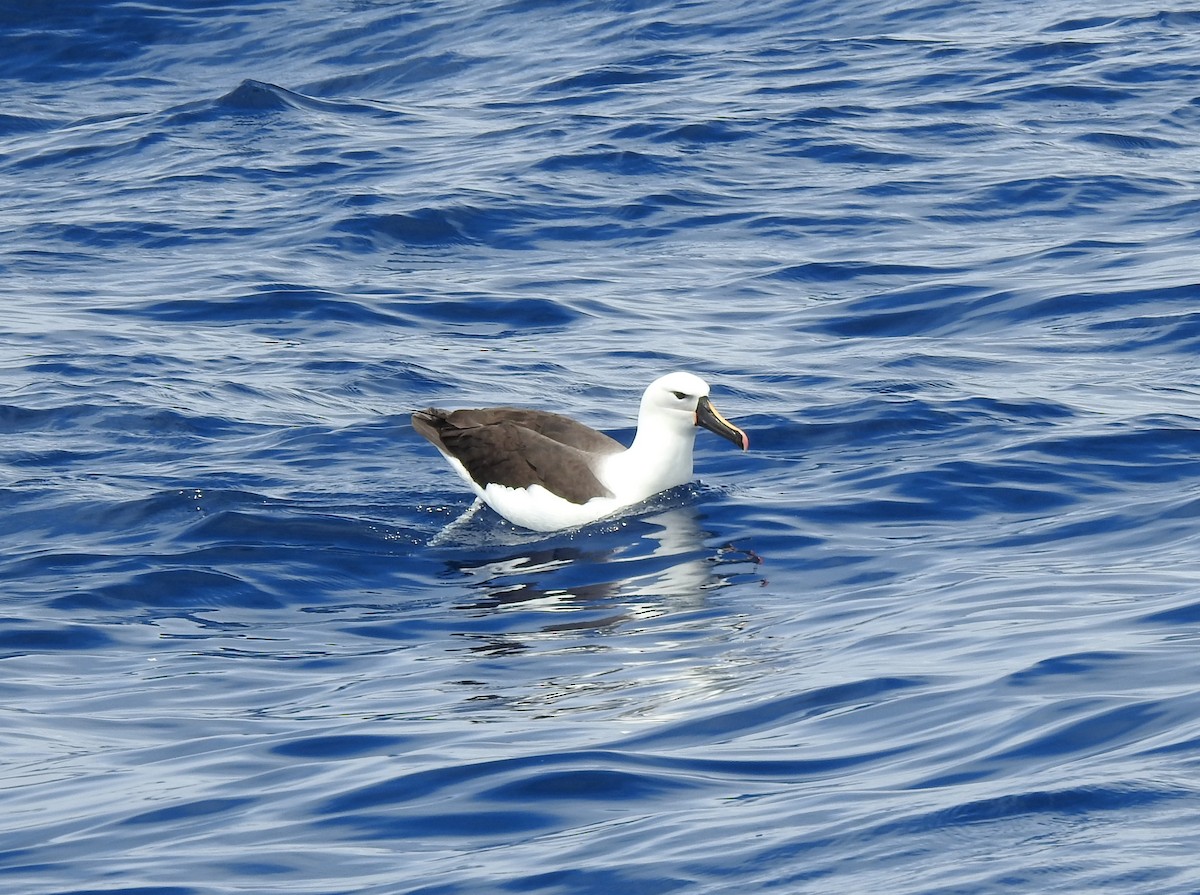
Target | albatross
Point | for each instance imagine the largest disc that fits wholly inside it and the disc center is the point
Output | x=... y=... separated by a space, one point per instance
x=546 y=472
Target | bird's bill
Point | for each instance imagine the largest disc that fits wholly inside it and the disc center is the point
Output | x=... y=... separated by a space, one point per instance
x=707 y=416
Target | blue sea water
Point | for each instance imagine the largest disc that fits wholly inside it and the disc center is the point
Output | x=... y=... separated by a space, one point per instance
x=935 y=633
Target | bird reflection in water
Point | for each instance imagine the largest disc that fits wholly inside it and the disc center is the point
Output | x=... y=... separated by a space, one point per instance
x=667 y=568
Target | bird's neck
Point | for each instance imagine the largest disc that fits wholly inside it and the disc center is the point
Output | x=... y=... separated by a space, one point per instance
x=659 y=458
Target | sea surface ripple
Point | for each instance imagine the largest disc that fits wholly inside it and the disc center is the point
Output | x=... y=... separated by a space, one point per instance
x=935 y=633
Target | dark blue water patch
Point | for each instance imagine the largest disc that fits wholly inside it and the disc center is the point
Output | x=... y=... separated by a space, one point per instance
x=1155 y=451
x=165 y=426
x=27 y=572
x=870 y=423
x=1085 y=24
x=421 y=227
x=706 y=132
x=398 y=74
x=966 y=489
x=333 y=747
x=126 y=890
x=594 y=879
x=733 y=723
x=1091 y=529
x=787 y=770
x=1082 y=248
x=1055 y=55
x=624 y=162
x=69 y=40
x=259 y=97
x=822 y=85
x=189 y=811
x=662 y=30
x=1127 y=142
x=386 y=629
x=498 y=314
x=36 y=461
x=581 y=784
x=19 y=637
x=65 y=436
x=420 y=785
x=945 y=132
x=670 y=219
x=113 y=145
x=924 y=309
x=952 y=112
x=81 y=367
x=1152 y=73
x=256 y=522
x=887 y=512
x=11 y=125
x=1078 y=94
x=15 y=418
x=1169 y=20
x=557 y=782
x=110 y=521
x=1101 y=731
x=1076 y=730
x=484 y=221
x=262 y=530
x=698 y=133
x=1069 y=666
x=847 y=152
x=805 y=226
x=478 y=827
x=287 y=305
x=849 y=271
x=1177 y=208
x=1186 y=614
x=1176 y=332
x=901 y=187
x=1062 y=804
x=183 y=552
x=602 y=80
x=184 y=588
x=945 y=308
x=1057 y=195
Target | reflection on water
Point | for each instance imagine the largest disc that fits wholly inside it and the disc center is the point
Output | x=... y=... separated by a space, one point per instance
x=638 y=563
x=548 y=624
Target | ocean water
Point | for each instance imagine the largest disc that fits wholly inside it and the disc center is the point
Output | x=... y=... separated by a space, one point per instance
x=935 y=633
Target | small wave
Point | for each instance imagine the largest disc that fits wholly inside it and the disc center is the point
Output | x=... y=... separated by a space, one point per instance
x=847 y=271
x=1127 y=142
x=22 y=638
x=614 y=161
x=26 y=124
x=186 y=588
x=396 y=76
x=282 y=303
x=258 y=96
x=607 y=77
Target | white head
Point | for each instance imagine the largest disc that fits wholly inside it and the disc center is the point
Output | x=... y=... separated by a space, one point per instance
x=671 y=400
x=661 y=454
x=679 y=402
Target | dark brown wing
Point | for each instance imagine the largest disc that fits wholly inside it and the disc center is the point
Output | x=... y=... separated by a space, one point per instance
x=554 y=426
x=519 y=448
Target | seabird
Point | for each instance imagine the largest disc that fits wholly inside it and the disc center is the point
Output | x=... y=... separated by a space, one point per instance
x=546 y=472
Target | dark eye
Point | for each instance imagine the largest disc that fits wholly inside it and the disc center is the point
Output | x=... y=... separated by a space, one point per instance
x=679 y=395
